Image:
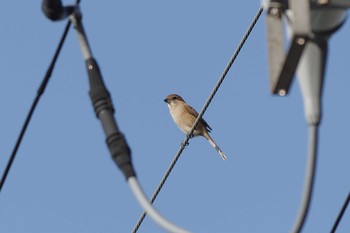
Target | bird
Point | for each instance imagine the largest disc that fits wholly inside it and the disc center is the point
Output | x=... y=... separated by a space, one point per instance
x=184 y=117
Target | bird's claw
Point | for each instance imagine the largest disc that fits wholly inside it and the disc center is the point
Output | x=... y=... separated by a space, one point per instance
x=185 y=144
x=190 y=136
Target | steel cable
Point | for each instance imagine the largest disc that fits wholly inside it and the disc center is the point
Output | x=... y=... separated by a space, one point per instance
x=211 y=96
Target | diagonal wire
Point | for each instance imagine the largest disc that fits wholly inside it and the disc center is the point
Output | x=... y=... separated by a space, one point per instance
x=210 y=98
x=341 y=213
x=34 y=104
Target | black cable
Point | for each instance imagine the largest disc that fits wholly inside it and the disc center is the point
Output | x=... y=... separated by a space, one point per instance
x=341 y=213
x=309 y=179
x=188 y=136
x=35 y=102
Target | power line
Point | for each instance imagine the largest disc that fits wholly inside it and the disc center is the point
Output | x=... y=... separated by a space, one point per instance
x=341 y=213
x=34 y=104
x=309 y=179
x=206 y=105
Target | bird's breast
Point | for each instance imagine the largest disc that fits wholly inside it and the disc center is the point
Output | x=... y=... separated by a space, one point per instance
x=183 y=119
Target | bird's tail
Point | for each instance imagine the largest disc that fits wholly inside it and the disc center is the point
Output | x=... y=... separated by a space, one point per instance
x=223 y=156
x=217 y=148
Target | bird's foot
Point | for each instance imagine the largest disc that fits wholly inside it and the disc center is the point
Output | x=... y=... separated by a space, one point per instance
x=183 y=144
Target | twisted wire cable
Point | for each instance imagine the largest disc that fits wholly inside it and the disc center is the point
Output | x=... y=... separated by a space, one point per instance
x=206 y=105
x=40 y=92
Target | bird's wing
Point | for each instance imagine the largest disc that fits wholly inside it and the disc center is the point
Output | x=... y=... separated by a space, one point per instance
x=195 y=114
x=206 y=125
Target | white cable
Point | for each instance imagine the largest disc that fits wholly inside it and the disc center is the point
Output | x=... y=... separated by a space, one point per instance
x=150 y=210
x=309 y=180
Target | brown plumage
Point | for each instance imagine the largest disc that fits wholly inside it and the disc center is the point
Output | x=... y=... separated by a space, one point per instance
x=184 y=116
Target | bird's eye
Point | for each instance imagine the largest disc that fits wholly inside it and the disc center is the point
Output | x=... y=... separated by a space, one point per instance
x=174 y=97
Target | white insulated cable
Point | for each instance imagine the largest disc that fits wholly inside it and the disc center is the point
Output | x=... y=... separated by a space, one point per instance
x=150 y=210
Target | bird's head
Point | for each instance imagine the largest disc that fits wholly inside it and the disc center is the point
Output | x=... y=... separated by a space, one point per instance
x=173 y=98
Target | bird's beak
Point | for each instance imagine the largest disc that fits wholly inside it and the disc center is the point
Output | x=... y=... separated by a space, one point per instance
x=166 y=100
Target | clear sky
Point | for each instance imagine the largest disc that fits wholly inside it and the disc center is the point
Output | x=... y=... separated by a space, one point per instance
x=63 y=179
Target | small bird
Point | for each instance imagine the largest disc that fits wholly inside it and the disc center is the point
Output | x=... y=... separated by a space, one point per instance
x=184 y=116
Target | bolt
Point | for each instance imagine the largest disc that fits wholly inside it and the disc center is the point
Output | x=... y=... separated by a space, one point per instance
x=282 y=92
x=300 y=41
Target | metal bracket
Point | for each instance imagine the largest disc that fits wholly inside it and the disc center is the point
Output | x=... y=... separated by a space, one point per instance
x=283 y=64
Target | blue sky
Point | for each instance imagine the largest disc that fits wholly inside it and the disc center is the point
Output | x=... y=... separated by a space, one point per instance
x=63 y=179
